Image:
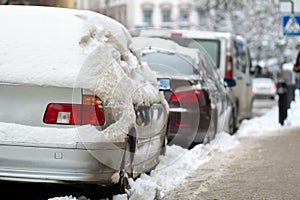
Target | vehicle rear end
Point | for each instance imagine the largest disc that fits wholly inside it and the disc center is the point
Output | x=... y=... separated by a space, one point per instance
x=46 y=135
x=185 y=90
x=65 y=135
x=264 y=88
x=190 y=112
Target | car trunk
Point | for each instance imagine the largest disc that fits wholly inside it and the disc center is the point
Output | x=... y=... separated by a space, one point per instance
x=23 y=109
x=190 y=110
x=26 y=104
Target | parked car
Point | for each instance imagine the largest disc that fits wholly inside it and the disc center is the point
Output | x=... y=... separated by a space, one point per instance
x=264 y=88
x=76 y=106
x=192 y=88
x=231 y=55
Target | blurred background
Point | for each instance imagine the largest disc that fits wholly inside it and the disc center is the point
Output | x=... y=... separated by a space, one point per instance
x=259 y=21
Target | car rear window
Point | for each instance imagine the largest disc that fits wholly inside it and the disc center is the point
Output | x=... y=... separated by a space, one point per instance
x=263 y=81
x=170 y=63
x=211 y=46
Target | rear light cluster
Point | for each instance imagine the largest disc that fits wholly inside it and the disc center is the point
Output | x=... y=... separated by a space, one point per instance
x=188 y=96
x=229 y=67
x=89 y=112
x=187 y=100
x=273 y=88
x=176 y=35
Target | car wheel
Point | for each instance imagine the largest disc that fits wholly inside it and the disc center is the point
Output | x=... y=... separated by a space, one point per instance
x=124 y=184
x=232 y=122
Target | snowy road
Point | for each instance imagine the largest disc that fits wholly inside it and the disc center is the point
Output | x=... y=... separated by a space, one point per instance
x=261 y=106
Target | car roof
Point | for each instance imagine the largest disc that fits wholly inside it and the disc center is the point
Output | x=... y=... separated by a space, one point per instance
x=164 y=45
x=53 y=39
x=185 y=33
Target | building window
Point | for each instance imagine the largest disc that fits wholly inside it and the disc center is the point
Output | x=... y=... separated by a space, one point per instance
x=202 y=17
x=184 y=15
x=166 y=15
x=147 y=17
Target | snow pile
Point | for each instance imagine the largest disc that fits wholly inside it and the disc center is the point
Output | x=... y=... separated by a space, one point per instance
x=75 y=48
x=269 y=122
x=293 y=118
x=176 y=165
x=63 y=198
x=257 y=125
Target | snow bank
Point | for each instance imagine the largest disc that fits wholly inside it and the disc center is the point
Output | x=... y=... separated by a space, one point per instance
x=176 y=165
x=269 y=122
x=258 y=125
x=293 y=118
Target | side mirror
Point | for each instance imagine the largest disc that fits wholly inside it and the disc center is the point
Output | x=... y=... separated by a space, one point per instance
x=164 y=84
x=229 y=82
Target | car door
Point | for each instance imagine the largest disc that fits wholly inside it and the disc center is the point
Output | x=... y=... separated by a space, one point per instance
x=242 y=63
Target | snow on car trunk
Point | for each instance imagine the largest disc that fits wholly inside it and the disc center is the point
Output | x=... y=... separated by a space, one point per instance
x=74 y=49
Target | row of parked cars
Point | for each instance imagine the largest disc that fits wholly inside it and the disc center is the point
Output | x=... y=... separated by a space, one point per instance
x=82 y=102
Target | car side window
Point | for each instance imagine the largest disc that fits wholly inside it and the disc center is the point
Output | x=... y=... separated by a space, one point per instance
x=236 y=55
x=241 y=56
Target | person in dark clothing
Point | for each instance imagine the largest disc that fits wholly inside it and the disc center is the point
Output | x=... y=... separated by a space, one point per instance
x=297 y=63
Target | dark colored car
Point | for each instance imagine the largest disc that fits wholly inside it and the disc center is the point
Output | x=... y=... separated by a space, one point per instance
x=193 y=90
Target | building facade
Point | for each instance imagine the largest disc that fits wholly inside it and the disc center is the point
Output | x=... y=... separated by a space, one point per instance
x=138 y=14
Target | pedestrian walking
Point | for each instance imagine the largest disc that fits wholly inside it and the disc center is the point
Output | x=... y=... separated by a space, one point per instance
x=297 y=62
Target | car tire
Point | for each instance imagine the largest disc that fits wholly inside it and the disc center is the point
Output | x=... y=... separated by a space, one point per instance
x=232 y=124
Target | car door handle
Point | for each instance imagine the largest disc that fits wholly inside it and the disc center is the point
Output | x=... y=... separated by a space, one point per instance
x=239 y=78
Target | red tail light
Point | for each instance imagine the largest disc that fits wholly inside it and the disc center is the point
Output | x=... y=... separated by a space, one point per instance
x=186 y=96
x=176 y=34
x=229 y=67
x=273 y=88
x=89 y=112
x=183 y=125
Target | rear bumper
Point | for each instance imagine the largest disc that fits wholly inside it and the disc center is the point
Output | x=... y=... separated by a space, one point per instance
x=186 y=127
x=62 y=165
x=264 y=95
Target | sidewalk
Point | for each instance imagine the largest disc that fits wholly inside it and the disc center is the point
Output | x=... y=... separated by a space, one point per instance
x=266 y=167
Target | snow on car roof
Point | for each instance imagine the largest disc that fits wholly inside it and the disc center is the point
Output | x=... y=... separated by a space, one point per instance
x=47 y=46
x=164 y=44
x=62 y=47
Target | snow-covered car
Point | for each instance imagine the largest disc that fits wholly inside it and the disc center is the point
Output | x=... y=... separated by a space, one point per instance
x=76 y=105
x=264 y=88
x=192 y=87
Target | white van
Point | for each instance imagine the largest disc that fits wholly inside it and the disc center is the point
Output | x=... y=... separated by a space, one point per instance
x=231 y=56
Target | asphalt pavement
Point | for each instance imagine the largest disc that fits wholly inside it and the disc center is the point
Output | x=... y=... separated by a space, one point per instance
x=260 y=168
